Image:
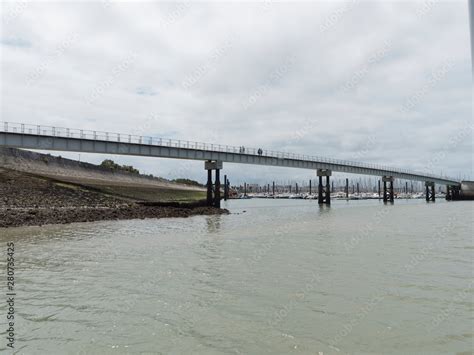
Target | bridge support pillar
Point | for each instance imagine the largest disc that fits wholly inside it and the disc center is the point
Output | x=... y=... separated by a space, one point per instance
x=217 y=189
x=324 y=191
x=430 y=191
x=209 y=187
x=213 y=190
x=226 y=188
x=452 y=192
x=388 y=190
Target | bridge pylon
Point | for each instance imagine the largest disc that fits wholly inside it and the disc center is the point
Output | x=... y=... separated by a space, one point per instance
x=324 y=191
x=452 y=192
x=388 y=190
x=213 y=190
x=430 y=191
x=226 y=188
x=346 y=189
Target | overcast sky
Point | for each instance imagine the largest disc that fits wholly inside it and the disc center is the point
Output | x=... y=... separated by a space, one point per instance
x=374 y=81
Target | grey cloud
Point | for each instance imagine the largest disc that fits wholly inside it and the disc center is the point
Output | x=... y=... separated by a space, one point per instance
x=239 y=90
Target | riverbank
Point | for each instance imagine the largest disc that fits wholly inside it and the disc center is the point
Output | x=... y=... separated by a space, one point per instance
x=41 y=191
x=30 y=200
x=20 y=217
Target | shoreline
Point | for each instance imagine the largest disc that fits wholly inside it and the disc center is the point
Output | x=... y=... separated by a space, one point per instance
x=38 y=189
x=40 y=216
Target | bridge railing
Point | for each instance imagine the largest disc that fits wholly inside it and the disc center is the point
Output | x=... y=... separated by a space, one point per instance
x=165 y=142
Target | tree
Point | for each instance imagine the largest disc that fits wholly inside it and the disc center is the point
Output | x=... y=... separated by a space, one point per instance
x=111 y=165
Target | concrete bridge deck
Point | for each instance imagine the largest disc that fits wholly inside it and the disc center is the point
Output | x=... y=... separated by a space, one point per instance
x=39 y=137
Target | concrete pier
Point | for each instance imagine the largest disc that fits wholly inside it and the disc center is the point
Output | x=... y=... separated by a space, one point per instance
x=430 y=191
x=213 y=190
x=388 y=190
x=324 y=191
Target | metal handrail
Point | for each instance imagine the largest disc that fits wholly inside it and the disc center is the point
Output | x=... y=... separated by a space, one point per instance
x=154 y=141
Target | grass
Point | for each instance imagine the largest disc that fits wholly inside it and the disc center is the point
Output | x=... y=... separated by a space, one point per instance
x=152 y=194
x=127 y=192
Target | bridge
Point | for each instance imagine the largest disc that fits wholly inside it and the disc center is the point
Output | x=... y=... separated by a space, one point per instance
x=39 y=137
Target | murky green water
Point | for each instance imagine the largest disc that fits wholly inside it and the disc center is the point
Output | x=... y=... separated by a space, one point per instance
x=285 y=277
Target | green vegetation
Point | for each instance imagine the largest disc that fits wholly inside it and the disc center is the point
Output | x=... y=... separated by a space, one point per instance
x=187 y=182
x=147 y=193
x=152 y=194
x=110 y=164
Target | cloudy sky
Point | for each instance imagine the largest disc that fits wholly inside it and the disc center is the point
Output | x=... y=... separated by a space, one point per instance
x=374 y=81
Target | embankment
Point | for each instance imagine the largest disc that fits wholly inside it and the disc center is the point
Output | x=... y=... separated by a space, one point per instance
x=37 y=189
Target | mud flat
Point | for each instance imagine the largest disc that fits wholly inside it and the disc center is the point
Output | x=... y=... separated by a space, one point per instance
x=42 y=216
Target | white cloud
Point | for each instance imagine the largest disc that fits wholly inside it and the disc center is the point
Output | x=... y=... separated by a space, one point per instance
x=68 y=76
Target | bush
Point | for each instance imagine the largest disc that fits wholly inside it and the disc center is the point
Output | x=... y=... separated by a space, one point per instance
x=111 y=165
x=187 y=182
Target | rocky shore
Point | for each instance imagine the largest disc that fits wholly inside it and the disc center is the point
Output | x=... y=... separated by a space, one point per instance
x=17 y=217
x=28 y=199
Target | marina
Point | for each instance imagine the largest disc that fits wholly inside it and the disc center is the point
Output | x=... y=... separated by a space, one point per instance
x=337 y=196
